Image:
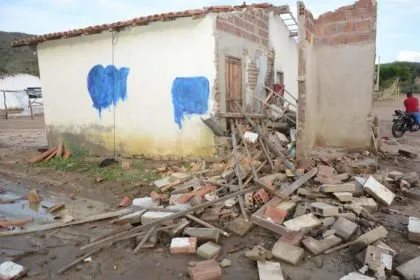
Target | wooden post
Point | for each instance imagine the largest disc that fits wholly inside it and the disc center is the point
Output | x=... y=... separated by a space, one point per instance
x=30 y=104
x=5 y=105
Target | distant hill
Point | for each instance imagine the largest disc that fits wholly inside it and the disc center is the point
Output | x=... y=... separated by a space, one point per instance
x=407 y=72
x=16 y=60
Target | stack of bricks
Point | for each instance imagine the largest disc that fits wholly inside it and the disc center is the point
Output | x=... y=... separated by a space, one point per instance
x=251 y=25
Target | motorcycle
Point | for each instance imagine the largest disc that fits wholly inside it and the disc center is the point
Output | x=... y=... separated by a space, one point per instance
x=402 y=124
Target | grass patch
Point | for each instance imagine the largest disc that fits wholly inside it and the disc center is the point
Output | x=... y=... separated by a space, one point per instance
x=114 y=172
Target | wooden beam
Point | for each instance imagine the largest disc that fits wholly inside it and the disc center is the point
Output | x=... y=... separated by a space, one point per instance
x=237 y=169
x=240 y=115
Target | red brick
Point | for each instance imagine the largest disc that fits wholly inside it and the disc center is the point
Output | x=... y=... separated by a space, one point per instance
x=261 y=197
x=183 y=245
x=206 y=270
x=363 y=25
x=277 y=215
x=294 y=238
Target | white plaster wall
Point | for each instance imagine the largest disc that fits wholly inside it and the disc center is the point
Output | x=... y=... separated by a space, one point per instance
x=19 y=100
x=155 y=54
x=286 y=51
x=345 y=88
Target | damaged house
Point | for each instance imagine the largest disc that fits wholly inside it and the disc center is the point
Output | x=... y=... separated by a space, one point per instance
x=143 y=86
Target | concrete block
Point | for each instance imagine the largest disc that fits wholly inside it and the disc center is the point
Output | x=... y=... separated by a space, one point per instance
x=288 y=206
x=10 y=271
x=300 y=210
x=344 y=228
x=209 y=250
x=328 y=221
x=183 y=245
x=275 y=214
x=412 y=178
x=348 y=215
x=269 y=270
x=287 y=253
x=367 y=203
x=379 y=191
x=395 y=175
x=293 y=239
x=203 y=234
x=239 y=226
x=377 y=259
x=384 y=246
x=206 y=270
x=151 y=216
x=225 y=263
x=356 y=276
x=414 y=229
x=411 y=269
x=144 y=202
x=304 y=221
x=161 y=183
x=323 y=209
x=329 y=232
x=179 y=176
x=316 y=247
x=348 y=187
x=344 y=196
x=359 y=183
x=413 y=193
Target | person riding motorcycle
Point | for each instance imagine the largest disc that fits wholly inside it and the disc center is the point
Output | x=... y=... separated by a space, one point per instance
x=411 y=104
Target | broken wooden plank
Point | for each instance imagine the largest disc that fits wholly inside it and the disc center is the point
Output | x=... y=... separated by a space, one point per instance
x=238 y=170
x=41 y=157
x=134 y=231
x=145 y=238
x=132 y=218
x=73 y=263
x=246 y=149
x=94 y=218
x=67 y=154
x=288 y=190
x=203 y=223
x=51 y=155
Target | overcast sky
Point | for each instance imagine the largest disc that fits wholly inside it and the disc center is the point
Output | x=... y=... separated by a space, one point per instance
x=398 y=20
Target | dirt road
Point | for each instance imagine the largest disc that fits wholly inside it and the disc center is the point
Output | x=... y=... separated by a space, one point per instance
x=48 y=251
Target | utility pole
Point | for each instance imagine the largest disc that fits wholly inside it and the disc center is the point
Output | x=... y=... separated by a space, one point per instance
x=377 y=74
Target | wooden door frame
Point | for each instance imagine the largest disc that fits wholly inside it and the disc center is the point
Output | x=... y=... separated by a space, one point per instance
x=237 y=60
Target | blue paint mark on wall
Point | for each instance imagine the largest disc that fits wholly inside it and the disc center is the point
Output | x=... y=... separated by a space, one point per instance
x=190 y=96
x=107 y=86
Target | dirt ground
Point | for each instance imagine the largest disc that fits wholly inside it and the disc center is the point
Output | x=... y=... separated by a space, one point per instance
x=48 y=251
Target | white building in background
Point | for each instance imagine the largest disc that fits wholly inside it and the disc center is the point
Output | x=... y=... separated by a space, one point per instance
x=164 y=73
x=16 y=99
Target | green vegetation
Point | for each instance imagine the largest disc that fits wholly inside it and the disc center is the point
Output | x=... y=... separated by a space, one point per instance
x=114 y=172
x=407 y=72
x=16 y=60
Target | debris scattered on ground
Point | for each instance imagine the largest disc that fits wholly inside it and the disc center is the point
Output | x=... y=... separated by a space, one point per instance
x=60 y=151
x=326 y=207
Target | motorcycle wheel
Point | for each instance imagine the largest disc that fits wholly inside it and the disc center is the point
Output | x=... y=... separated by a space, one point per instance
x=398 y=129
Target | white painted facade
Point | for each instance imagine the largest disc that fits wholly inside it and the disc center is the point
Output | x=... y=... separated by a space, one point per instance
x=155 y=54
x=19 y=100
x=286 y=51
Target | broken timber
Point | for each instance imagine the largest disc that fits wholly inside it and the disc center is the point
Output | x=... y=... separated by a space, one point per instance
x=288 y=190
x=238 y=170
x=136 y=230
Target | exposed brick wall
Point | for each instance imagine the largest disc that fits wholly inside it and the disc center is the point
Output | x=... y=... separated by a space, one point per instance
x=252 y=72
x=251 y=25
